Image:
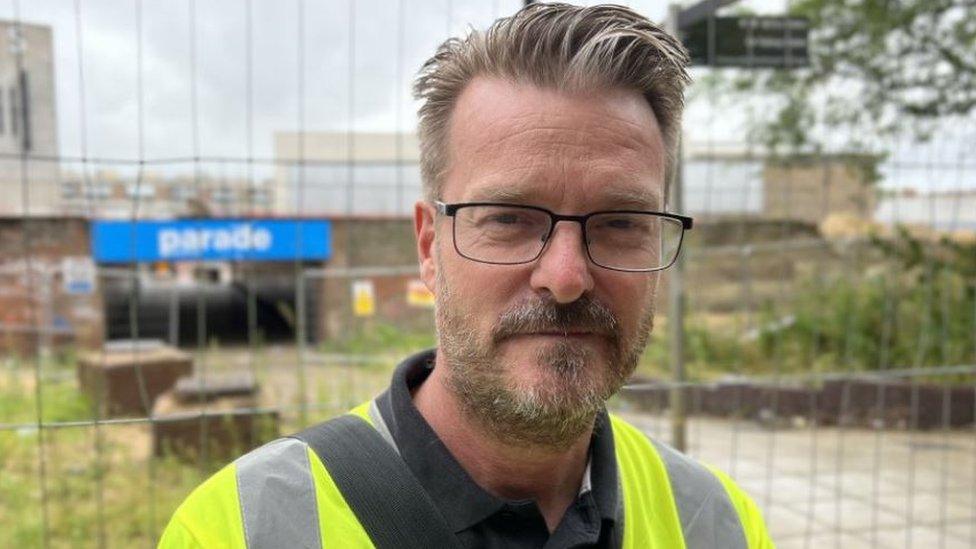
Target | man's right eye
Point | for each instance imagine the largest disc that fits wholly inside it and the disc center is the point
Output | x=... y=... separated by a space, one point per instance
x=505 y=219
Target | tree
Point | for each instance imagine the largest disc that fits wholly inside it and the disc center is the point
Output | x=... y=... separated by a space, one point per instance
x=877 y=68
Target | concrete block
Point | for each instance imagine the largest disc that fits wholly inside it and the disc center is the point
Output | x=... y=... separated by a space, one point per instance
x=213 y=419
x=112 y=377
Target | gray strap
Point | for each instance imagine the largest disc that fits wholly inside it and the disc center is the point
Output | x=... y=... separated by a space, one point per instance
x=380 y=489
x=277 y=497
x=708 y=518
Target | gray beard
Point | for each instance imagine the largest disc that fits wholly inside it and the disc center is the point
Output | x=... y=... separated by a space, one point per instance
x=553 y=414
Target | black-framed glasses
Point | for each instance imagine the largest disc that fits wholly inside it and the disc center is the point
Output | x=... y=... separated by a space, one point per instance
x=621 y=240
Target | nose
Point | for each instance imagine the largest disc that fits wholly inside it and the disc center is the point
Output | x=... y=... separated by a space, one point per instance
x=563 y=270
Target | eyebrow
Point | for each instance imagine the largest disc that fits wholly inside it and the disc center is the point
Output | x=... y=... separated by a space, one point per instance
x=643 y=198
x=502 y=194
x=619 y=197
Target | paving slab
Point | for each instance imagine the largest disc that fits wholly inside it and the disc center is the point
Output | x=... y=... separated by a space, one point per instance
x=846 y=487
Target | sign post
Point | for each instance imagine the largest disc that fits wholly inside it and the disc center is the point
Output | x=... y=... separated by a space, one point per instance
x=676 y=296
x=747 y=42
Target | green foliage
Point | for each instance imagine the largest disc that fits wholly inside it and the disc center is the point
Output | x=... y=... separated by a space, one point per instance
x=942 y=254
x=708 y=352
x=381 y=339
x=918 y=309
x=60 y=401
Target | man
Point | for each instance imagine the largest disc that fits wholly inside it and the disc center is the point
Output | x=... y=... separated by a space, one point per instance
x=545 y=145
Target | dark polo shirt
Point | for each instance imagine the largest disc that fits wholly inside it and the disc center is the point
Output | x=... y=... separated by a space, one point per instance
x=480 y=519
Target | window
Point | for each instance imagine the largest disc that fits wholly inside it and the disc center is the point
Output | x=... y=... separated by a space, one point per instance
x=141 y=190
x=182 y=191
x=70 y=189
x=97 y=190
x=260 y=197
x=222 y=195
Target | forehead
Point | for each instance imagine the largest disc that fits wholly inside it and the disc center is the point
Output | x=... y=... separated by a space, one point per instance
x=518 y=142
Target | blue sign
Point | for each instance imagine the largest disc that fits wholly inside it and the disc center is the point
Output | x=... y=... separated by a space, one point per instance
x=211 y=239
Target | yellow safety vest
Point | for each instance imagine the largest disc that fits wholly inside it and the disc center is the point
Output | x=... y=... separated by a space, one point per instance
x=280 y=495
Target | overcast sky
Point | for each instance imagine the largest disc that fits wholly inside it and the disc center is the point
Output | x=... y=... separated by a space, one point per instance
x=358 y=59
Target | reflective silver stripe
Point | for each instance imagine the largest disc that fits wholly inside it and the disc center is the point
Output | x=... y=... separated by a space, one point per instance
x=277 y=496
x=380 y=424
x=708 y=518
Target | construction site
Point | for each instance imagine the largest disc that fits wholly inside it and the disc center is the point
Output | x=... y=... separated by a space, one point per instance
x=176 y=294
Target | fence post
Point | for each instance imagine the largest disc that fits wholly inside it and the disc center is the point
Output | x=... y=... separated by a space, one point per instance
x=301 y=336
x=174 y=313
x=676 y=297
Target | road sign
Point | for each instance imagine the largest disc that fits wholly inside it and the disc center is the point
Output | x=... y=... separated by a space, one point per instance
x=211 y=239
x=78 y=275
x=363 y=298
x=687 y=17
x=772 y=42
x=418 y=295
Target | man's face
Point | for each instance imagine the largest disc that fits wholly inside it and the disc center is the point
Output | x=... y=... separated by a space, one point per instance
x=535 y=349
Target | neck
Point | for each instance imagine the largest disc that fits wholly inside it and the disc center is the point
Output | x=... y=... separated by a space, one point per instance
x=549 y=476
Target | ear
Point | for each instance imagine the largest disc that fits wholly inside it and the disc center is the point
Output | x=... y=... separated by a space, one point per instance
x=423 y=226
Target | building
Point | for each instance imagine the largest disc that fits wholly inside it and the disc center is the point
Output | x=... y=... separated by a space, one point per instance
x=326 y=173
x=729 y=181
x=378 y=174
x=28 y=122
x=106 y=195
x=811 y=188
x=947 y=210
x=722 y=181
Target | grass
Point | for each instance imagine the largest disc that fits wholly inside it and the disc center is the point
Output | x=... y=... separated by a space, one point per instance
x=390 y=339
x=60 y=400
x=90 y=495
x=95 y=483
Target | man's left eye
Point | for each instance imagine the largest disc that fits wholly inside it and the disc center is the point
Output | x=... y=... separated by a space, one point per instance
x=619 y=223
x=505 y=219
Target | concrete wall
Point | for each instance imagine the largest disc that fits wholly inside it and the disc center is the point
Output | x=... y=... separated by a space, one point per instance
x=40 y=177
x=809 y=190
x=382 y=179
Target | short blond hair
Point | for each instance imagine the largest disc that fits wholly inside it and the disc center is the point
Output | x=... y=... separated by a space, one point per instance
x=555 y=46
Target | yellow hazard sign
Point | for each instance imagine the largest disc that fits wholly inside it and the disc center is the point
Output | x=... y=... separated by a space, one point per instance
x=363 y=298
x=418 y=295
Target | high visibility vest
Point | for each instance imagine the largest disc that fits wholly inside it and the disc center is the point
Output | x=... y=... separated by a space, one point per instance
x=280 y=495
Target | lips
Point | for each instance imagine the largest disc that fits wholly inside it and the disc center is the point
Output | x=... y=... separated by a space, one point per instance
x=560 y=333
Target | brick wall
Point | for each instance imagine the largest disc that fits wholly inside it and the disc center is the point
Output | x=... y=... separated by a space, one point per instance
x=34 y=309
x=370 y=242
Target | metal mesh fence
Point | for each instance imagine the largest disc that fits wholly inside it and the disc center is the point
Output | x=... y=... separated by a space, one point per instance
x=829 y=339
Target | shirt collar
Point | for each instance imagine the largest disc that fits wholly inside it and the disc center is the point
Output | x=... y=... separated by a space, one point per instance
x=461 y=501
x=586 y=485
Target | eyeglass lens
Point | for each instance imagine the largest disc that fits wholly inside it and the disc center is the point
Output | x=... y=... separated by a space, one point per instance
x=515 y=234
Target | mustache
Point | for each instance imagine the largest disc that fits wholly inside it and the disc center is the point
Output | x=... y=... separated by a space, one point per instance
x=586 y=314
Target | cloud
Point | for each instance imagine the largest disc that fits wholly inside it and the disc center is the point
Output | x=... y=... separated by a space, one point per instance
x=354 y=72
